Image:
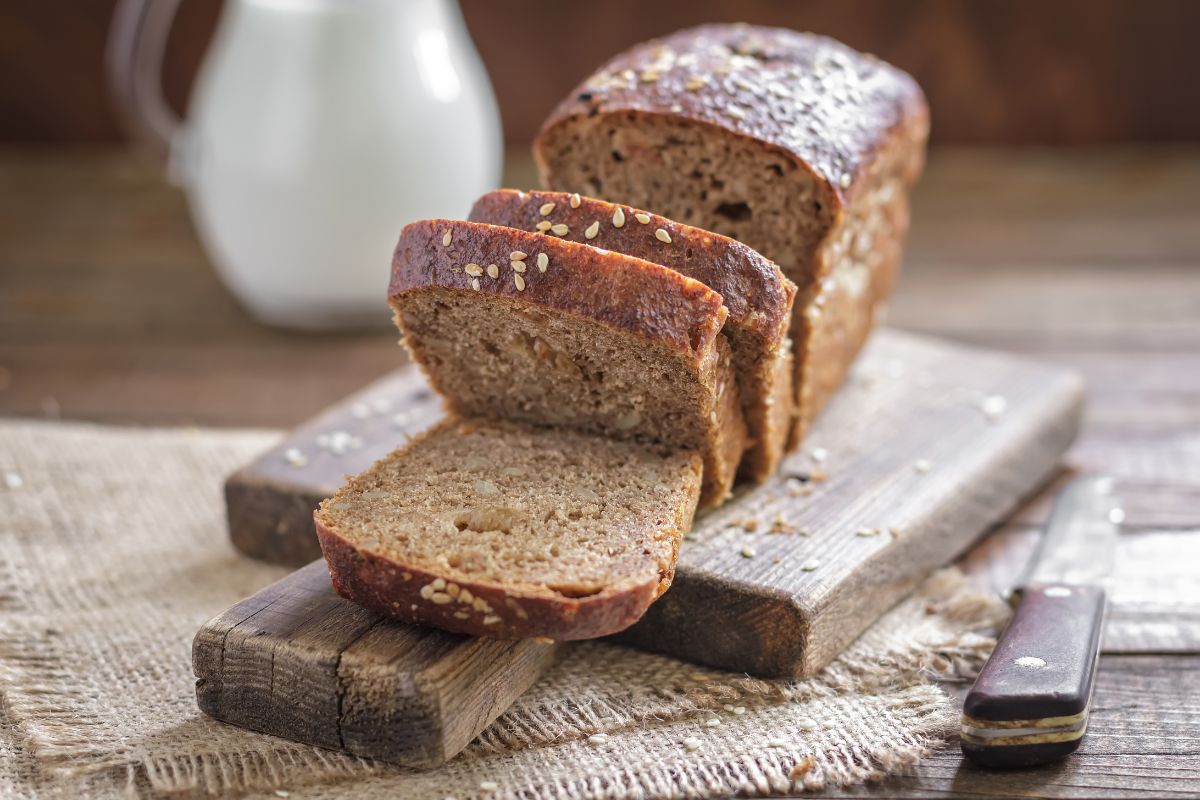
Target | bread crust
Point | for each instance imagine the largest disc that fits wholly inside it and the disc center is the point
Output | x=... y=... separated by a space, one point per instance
x=756 y=293
x=828 y=124
x=754 y=290
x=618 y=290
x=380 y=585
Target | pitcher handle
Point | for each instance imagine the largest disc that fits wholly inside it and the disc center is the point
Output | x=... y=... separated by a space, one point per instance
x=137 y=41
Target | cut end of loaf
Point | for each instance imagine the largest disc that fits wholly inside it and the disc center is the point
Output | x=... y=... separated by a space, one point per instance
x=695 y=172
x=503 y=530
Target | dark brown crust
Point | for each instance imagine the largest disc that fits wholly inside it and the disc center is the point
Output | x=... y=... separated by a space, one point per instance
x=832 y=109
x=376 y=583
x=836 y=321
x=614 y=289
x=757 y=295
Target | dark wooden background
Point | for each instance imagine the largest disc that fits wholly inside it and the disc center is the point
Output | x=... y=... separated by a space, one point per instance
x=996 y=71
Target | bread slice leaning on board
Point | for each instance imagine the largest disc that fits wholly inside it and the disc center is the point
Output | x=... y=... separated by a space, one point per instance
x=758 y=297
x=792 y=143
x=509 y=530
x=593 y=404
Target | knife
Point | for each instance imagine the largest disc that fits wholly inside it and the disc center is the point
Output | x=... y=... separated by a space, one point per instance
x=1031 y=702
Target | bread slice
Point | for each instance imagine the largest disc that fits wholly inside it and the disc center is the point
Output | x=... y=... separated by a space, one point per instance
x=510 y=531
x=757 y=296
x=792 y=143
x=524 y=326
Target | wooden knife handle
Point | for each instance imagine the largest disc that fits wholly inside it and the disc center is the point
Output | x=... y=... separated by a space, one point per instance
x=1031 y=701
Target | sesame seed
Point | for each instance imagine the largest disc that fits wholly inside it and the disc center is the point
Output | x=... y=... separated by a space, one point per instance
x=559 y=229
x=473 y=269
x=516 y=255
x=727 y=707
x=749 y=552
x=923 y=465
x=475 y=284
x=592 y=230
x=490 y=620
x=735 y=112
x=465 y=596
x=867 y=532
x=618 y=218
x=13 y=481
x=446 y=238
x=810 y=566
x=642 y=218
x=598 y=738
x=543 y=261
x=520 y=282
x=696 y=82
x=546 y=209
x=518 y=266
x=845 y=180
x=427 y=591
x=461 y=615
x=488 y=786
x=739 y=710
x=777 y=743
x=441 y=598
x=819 y=454
x=662 y=236
x=438 y=584
x=575 y=200
x=691 y=744
x=806 y=724
x=292 y=455
x=544 y=225
x=493 y=271
x=712 y=722
x=650 y=75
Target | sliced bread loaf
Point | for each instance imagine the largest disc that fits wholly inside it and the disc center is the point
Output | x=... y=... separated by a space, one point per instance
x=792 y=143
x=508 y=530
x=515 y=325
x=757 y=296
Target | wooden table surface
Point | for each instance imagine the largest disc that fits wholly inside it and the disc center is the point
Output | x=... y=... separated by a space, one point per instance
x=110 y=311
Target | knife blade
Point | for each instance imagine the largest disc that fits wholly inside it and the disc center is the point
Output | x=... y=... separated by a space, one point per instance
x=1031 y=702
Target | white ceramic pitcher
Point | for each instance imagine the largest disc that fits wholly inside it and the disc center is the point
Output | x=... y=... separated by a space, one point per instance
x=316 y=130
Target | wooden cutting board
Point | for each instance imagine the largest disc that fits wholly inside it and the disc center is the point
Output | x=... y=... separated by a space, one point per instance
x=926 y=446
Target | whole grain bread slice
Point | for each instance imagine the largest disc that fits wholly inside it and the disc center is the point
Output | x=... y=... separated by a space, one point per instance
x=508 y=530
x=757 y=295
x=524 y=326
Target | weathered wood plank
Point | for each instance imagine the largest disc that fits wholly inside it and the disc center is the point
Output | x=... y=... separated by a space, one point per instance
x=297 y=661
x=1143 y=740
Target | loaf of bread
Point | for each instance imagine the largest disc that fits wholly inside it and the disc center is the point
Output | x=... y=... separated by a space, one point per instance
x=516 y=325
x=792 y=143
x=757 y=296
x=511 y=531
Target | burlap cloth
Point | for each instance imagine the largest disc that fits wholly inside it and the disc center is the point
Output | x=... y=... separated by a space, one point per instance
x=114 y=552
